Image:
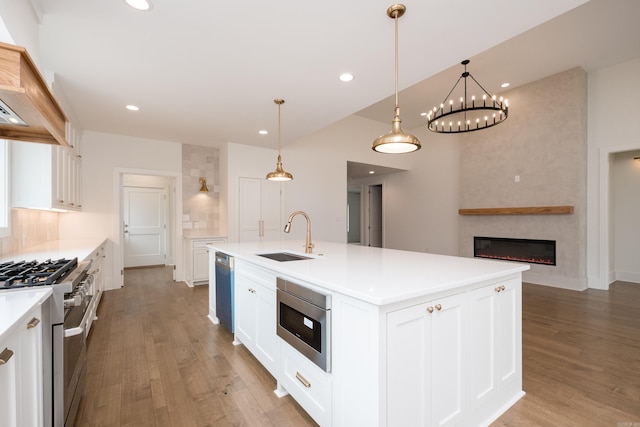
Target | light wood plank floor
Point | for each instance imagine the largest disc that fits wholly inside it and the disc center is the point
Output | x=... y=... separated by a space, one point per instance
x=581 y=358
x=154 y=359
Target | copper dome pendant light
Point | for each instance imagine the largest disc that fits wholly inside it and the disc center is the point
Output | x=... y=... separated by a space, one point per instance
x=396 y=141
x=279 y=174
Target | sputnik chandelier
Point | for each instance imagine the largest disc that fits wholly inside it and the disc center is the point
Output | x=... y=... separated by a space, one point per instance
x=467 y=115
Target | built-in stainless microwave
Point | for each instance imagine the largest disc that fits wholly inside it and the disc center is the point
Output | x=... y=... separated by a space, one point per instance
x=304 y=321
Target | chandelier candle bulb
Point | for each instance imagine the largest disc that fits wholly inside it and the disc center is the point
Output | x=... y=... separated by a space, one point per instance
x=467 y=108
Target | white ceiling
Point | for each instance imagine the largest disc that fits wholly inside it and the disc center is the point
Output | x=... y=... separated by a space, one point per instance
x=597 y=34
x=206 y=72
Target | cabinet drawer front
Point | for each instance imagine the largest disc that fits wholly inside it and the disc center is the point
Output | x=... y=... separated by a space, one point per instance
x=308 y=384
x=258 y=274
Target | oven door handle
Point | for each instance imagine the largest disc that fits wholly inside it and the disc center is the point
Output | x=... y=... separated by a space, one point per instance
x=72 y=332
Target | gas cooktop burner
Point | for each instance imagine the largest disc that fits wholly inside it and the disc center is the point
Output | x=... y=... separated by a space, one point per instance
x=23 y=274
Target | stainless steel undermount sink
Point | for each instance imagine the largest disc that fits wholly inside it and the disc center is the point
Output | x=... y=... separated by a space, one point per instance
x=284 y=256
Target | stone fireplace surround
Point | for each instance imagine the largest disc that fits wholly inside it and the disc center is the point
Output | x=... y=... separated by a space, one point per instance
x=537 y=157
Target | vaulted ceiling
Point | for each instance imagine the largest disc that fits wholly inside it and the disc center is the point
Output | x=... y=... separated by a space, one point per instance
x=205 y=72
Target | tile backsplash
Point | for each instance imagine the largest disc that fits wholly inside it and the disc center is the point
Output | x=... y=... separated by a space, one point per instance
x=29 y=227
x=200 y=210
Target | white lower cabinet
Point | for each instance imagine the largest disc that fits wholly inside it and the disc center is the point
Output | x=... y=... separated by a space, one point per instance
x=426 y=363
x=21 y=381
x=309 y=385
x=496 y=342
x=197 y=259
x=255 y=313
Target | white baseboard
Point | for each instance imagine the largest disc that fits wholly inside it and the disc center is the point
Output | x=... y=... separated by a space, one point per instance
x=572 y=283
x=628 y=276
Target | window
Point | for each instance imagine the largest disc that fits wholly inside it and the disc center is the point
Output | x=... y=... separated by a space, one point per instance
x=5 y=213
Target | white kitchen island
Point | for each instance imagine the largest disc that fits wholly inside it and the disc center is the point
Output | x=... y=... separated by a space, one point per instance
x=416 y=339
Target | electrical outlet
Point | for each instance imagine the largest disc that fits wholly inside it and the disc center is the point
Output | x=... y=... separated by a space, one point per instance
x=517 y=178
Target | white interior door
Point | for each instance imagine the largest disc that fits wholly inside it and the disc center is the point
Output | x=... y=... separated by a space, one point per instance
x=144 y=226
x=375 y=216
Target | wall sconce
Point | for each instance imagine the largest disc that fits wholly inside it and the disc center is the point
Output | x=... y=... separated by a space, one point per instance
x=203 y=185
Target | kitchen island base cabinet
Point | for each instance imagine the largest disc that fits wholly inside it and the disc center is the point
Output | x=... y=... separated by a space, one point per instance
x=439 y=347
x=255 y=313
x=496 y=343
x=425 y=363
x=309 y=385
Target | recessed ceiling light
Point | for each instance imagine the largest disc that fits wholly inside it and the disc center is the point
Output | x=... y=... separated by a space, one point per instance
x=423 y=114
x=140 y=4
x=505 y=84
x=263 y=132
x=346 y=77
x=372 y=172
x=133 y=107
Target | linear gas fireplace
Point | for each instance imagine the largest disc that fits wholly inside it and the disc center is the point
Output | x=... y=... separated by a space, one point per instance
x=521 y=250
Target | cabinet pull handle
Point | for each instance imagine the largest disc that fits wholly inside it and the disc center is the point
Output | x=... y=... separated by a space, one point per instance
x=33 y=323
x=253 y=291
x=500 y=288
x=5 y=356
x=438 y=307
x=303 y=380
x=430 y=309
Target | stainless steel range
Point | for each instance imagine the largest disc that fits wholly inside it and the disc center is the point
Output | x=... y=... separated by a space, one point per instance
x=65 y=317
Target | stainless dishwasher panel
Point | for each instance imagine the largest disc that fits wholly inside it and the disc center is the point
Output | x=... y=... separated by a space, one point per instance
x=224 y=290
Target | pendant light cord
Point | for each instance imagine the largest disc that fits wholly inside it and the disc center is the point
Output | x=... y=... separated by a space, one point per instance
x=396 y=50
x=279 y=129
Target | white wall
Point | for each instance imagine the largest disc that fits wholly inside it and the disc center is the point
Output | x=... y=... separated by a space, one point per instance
x=104 y=157
x=626 y=223
x=21 y=21
x=612 y=128
x=420 y=206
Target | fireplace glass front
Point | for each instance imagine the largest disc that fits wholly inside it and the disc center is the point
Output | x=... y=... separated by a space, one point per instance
x=521 y=250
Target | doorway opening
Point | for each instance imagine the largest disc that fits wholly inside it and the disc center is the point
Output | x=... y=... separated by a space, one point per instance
x=365 y=203
x=149 y=214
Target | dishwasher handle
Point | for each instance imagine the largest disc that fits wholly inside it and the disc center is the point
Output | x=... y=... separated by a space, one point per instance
x=224 y=261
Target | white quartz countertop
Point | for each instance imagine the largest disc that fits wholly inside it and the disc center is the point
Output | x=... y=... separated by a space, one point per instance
x=56 y=249
x=202 y=233
x=375 y=275
x=16 y=304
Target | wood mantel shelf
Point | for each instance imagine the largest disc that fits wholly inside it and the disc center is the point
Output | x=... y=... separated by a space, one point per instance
x=528 y=210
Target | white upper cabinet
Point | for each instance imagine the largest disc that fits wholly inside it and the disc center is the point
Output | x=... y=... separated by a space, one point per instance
x=46 y=176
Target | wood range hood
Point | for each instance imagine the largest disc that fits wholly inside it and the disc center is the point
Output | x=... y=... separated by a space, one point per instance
x=28 y=111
